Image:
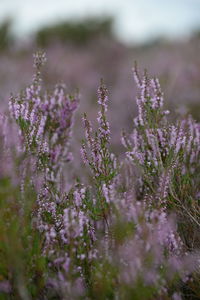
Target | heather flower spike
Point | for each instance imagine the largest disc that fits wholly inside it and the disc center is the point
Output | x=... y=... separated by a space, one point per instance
x=45 y=120
x=102 y=162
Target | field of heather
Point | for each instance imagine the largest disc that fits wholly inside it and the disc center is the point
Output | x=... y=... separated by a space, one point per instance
x=100 y=171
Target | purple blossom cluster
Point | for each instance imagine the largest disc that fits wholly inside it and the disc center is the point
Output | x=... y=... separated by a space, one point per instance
x=159 y=148
x=45 y=119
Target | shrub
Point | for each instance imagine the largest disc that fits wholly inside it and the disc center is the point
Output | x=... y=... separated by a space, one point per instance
x=115 y=236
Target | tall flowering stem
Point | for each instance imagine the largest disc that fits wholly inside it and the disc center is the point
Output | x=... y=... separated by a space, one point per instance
x=96 y=154
x=45 y=119
x=166 y=155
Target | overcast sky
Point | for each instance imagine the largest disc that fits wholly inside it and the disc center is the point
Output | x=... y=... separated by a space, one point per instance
x=136 y=20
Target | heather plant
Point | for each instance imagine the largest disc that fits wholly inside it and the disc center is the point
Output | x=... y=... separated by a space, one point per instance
x=44 y=120
x=118 y=235
x=96 y=154
x=128 y=221
x=167 y=154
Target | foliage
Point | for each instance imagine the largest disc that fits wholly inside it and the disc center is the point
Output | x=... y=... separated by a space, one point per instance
x=74 y=32
x=6 y=38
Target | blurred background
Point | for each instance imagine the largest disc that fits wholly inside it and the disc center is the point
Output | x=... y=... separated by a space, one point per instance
x=86 y=40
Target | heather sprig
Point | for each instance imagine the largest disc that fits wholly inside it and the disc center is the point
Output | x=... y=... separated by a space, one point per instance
x=166 y=156
x=102 y=163
x=159 y=148
x=96 y=154
x=45 y=120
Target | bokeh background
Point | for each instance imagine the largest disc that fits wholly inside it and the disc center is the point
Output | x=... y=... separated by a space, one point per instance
x=87 y=40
